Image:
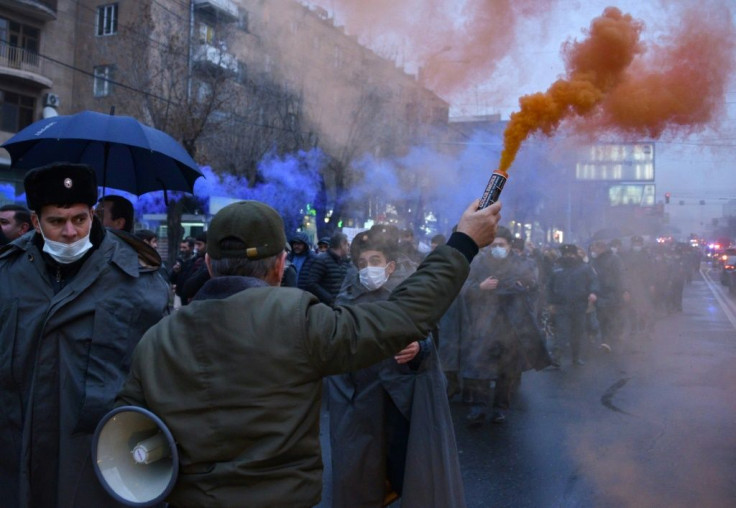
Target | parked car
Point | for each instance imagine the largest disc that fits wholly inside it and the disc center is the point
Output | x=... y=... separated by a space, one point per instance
x=728 y=273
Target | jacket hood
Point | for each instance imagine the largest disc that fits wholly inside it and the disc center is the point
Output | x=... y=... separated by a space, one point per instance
x=300 y=236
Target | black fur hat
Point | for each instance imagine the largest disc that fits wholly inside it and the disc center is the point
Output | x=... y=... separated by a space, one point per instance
x=61 y=184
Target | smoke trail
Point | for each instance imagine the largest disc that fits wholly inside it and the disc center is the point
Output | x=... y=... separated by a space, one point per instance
x=458 y=44
x=612 y=87
x=595 y=66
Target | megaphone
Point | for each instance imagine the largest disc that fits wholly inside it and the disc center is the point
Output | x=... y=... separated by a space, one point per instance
x=135 y=456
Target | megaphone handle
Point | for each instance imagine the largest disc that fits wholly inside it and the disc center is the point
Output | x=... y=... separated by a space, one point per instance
x=152 y=449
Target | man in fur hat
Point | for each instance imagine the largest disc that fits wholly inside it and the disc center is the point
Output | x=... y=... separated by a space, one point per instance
x=74 y=301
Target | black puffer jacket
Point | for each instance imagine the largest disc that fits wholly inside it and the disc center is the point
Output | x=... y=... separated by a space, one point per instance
x=325 y=276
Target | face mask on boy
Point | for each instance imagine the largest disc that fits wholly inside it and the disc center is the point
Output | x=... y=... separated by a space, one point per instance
x=373 y=277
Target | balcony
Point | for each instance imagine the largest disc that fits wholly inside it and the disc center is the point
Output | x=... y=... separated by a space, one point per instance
x=209 y=55
x=23 y=66
x=224 y=10
x=40 y=10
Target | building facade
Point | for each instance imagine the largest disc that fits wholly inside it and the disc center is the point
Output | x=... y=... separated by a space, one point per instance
x=221 y=76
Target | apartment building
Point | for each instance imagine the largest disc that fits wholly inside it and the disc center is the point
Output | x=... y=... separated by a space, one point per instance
x=153 y=58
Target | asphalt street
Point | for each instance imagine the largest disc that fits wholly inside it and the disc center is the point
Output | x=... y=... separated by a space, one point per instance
x=651 y=424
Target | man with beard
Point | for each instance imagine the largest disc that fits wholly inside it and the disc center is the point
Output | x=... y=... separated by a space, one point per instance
x=500 y=322
x=571 y=287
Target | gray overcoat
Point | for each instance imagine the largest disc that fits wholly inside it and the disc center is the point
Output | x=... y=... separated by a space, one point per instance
x=63 y=358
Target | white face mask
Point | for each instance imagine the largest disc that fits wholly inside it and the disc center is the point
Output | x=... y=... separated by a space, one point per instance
x=66 y=253
x=373 y=277
x=636 y=248
x=499 y=252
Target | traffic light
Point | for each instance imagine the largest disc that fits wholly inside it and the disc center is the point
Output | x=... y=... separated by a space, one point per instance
x=667 y=198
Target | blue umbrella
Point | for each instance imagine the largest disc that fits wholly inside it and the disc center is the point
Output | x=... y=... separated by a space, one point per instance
x=125 y=154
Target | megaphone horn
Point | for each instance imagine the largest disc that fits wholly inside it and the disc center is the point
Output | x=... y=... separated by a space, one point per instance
x=135 y=456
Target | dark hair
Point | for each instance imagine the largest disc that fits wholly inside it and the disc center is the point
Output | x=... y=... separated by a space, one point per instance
x=22 y=214
x=518 y=243
x=122 y=208
x=505 y=233
x=337 y=239
x=145 y=234
x=201 y=237
x=189 y=240
x=439 y=239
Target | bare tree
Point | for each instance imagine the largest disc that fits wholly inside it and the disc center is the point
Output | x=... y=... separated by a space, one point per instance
x=188 y=81
x=265 y=118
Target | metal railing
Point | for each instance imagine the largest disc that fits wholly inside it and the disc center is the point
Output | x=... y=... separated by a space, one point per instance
x=19 y=58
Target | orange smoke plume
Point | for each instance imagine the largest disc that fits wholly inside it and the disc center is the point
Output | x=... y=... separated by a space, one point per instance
x=595 y=66
x=612 y=87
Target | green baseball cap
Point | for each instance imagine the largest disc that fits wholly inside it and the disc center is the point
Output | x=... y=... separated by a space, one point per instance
x=258 y=226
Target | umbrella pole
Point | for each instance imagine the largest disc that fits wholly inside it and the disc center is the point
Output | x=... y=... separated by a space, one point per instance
x=104 y=162
x=104 y=168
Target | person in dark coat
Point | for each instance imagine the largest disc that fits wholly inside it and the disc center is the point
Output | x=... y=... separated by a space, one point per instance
x=195 y=274
x=327 y=270
x=300 y=257
x=74 y=301
x=571 y=287
x=609 y=298
x=504 y=338
x=237 y=375
x=639 y=284
x=391 y=429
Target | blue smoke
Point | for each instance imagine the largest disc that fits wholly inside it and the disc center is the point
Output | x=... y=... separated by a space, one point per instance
x=287 y=184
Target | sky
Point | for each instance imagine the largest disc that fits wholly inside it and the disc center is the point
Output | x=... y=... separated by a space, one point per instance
x=484 y=55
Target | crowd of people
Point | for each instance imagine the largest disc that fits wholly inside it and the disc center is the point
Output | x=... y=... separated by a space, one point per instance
x=236 y=368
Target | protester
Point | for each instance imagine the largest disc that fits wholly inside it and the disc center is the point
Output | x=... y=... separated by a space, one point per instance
x=390 y=424
x=323 y=244
x=504 y=339
x=237 y=374
x=326 y=272
x=148 y=236
x=15 y=221
x=639 y=285
x=572 y=285
x=116 y=212
x=300 y=257
x=436 y=241
x=609 y=298
x=74 y=299
x=194 y=274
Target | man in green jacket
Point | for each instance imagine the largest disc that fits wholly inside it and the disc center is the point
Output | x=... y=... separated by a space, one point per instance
x=237 y=374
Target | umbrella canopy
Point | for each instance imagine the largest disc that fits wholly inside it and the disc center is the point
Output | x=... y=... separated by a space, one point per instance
x=125 y=154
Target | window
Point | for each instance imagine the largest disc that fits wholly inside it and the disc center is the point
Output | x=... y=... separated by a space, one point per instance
x=19 y=43
x=102 y=85
x=206 y=33
x=107 y=19
x=16 y=111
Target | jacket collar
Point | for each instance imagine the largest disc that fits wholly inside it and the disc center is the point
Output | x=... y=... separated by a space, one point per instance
x=225 y=286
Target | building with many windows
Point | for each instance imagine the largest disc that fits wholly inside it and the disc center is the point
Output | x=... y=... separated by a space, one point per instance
x=209 y=72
